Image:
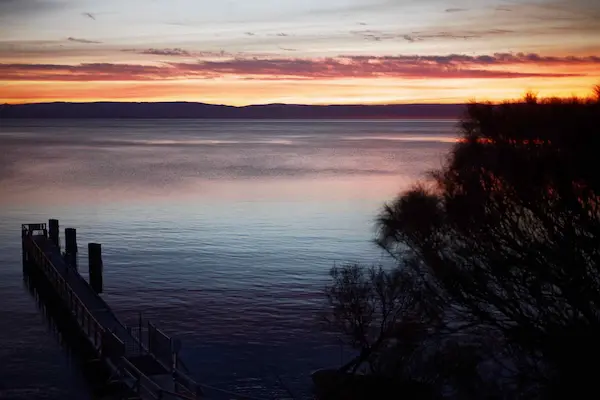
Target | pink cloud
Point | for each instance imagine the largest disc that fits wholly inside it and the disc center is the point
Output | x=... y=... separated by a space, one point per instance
x=409 y=66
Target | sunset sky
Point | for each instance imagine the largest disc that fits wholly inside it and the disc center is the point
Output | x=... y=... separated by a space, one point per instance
x=242 y=52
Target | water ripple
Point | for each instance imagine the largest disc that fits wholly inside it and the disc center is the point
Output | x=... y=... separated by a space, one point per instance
x=222 y=232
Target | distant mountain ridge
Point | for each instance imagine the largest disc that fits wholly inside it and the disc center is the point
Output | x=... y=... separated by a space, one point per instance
x=202 y=110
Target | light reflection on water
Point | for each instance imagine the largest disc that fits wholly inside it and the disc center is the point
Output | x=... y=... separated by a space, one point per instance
x=222 y=232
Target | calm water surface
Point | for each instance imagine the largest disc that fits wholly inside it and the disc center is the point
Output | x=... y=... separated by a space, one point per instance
x=222 y=232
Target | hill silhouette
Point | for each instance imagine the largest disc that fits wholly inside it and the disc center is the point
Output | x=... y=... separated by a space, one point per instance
x=202 y=110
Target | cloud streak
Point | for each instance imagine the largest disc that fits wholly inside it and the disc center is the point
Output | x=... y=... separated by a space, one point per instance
x=177 y=52
x=453 y=66
x=417 y=36
x=84 y=72
x=79 y=40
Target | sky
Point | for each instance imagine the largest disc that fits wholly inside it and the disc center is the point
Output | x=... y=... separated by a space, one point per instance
x=240 y=52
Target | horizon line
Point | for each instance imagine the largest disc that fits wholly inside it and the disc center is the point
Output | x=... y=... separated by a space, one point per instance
x=251 y=105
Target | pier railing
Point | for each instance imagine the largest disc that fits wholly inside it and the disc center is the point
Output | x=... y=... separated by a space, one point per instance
x=104 y=338
x=148 y=339
x=124 y=351
x=148 y=388
x=160 y=345
x=94 y=330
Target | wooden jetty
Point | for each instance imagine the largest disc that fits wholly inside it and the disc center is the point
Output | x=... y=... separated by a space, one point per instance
x=144 y=361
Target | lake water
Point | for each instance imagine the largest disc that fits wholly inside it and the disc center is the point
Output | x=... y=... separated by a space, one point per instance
x=221 y=232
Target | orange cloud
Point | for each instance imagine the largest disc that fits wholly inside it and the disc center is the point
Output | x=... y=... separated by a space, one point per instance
x=234 y=91
x=342 y=79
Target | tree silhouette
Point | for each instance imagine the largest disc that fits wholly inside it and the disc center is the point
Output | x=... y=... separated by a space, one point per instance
x=508 y=233
x=366 y=305
x=500 y=249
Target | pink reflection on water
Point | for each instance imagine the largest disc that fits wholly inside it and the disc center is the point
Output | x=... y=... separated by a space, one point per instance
x=423 y=138
x=195 y=142
x=369 y=189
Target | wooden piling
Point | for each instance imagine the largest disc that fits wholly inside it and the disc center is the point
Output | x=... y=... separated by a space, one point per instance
x=95 y=266
x=70 y=241
x=54 y=232
x=24 y=255
x=71 y=247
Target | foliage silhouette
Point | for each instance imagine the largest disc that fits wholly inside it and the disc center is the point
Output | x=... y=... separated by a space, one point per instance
x=501 y=247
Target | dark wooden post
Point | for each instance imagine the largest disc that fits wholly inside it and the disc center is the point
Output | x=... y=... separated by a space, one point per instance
x=24 y=233
x=54 y=232
x=71 y=246
x=95 y=265
x=70 y=241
